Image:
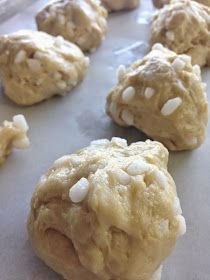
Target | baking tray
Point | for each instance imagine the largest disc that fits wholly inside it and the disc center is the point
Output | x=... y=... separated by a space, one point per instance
x=62 y=125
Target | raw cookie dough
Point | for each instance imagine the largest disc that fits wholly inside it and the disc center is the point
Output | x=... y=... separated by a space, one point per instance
x=118 y=5
x=162 y=95
x=13 y=135
x=110 y=211
x=82 y=22
x=183 y=26
x=36 y=66
x=160 y=3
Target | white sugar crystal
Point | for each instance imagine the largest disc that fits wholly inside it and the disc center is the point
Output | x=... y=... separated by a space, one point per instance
x=100 y=142
x=79 y=191
x=137 y=167
x=61 y=85
x=157 y=275
x=61 y=19
x=70 y=26
x=42 y=179
x=20 y=56
x=93 y=168
x=182 y=224
x=158 y=47
x=22 y=143
x=170 y=106
x=149 y=92
x=57 y=76
x=204 y=85
x=128 y=94
x=61 y=161
x=59 y=41
x=121 y=72
x=76 y=160
x=127 y=117
x=193 y=141
x=161 y=179
x=186 y=58
x=122 y=177
x=177 y=207
x=20 y=122
x=34 y=65
x=87 y=61
x=170 y=35
x=197 y=70
x=119 y=141
x=178 y=64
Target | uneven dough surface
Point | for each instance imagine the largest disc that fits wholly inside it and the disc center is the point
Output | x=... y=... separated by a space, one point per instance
x=13 y=135
x=82 y=22
x=183 y=26
x=118 y=5
x=110 y=211
x=35 y=66
x=160 y=3
x=162 y=95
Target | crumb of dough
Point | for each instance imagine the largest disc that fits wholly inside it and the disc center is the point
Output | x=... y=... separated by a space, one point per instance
x=13 y=135
x=109 y=211
x=163 y=96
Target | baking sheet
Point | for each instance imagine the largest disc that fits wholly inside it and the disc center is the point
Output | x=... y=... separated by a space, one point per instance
x=62 y=125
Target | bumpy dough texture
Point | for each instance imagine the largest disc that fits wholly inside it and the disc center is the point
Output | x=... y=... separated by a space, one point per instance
x=183 y=26
x=82 y=22
x=36 y=66
x=160 y=3
x=167 y=99
x=13 y=135
x=125 y=226
x=118 y=5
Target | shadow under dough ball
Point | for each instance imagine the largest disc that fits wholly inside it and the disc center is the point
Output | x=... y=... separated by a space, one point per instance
x=35 y=66
x=163 y=96
x=110 y=211
x=183 y=26
x=80 y=22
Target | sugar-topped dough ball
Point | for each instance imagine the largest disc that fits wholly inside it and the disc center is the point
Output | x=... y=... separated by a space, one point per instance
x=109 y=211
x=118 y=5
x=162 y=95
x=82 y=22
x=160 y=3
x=35 y=66
x=13 y=135
x=183 y=26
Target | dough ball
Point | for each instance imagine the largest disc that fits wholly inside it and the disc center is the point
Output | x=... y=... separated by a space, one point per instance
x=183 y=26
x=162 y=95
x=160 y=3
x=36 y=66
x=118 y=5
x=110 y=211
x=81 y=22
x=13 y=135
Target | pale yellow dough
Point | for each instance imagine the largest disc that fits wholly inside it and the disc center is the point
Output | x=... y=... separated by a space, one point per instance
x=13 y=135
x=162 y=95
x=126 y=219
x=35 y=66
x=82 y=22
x=183 y=26
x=118 y=5
x=160 y=3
